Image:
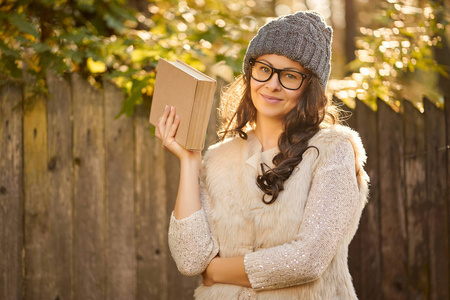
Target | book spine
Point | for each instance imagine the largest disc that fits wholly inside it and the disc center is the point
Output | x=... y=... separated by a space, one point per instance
x=201 y=112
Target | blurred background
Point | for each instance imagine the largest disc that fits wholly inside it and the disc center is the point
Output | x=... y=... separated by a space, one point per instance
x=86 y=190
x=397 y=48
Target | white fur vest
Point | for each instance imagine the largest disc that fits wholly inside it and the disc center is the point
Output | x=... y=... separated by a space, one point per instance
x=242 y=224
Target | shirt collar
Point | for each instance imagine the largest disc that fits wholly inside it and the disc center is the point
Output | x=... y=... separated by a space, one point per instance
x=257 y=156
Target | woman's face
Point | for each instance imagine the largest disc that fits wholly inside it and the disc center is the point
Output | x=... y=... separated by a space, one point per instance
x=270 y=98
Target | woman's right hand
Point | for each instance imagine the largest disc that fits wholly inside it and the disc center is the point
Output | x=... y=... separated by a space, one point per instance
x=165 y=131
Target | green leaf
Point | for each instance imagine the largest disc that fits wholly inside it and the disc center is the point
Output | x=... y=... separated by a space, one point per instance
x=46 y=60
x=443 y=70
x=152 y=130
x=141 y=55
x=86 y=5
x=40 y=47
x=113 y=22
x=123 y=12
x=96 y=66
x=76 y=56
x=4 y=15
x=59 y=65
x=9 y=52
x=76 y=36
x=13 y=69
x=134 y=97
x=24 y=40
x=47 y=3
x=23 y=25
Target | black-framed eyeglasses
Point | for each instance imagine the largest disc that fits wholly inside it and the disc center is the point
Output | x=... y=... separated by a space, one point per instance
x=289 y=79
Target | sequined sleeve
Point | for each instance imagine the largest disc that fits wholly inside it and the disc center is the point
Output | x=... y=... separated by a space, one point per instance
x=190 y=240
x=331 y=207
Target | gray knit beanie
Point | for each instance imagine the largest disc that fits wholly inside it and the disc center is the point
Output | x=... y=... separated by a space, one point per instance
x=303 y=37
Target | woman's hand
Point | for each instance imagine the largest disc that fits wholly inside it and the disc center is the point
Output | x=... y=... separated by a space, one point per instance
x=165 y=131
x=229 y=270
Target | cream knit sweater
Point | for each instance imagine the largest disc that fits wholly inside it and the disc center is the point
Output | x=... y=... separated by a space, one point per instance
x=295 y=248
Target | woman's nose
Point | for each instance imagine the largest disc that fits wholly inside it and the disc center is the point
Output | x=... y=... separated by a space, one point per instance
x=274 y=83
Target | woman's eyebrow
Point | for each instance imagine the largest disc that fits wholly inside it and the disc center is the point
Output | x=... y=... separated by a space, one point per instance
x=290 y=68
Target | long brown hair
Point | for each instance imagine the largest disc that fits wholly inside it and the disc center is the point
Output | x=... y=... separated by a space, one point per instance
x=312 y=112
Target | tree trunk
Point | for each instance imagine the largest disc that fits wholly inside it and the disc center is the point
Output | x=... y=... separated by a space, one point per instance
x=350 y=31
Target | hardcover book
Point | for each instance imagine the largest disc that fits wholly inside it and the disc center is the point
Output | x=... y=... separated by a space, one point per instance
x=192 y=93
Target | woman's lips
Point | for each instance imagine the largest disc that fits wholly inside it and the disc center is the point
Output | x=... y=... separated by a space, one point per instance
x=271 y=99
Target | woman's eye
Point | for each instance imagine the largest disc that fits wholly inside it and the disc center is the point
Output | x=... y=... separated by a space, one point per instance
x=265 y=69
x=291 y=76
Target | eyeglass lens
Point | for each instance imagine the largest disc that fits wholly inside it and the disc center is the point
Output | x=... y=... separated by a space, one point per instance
x=288 y=79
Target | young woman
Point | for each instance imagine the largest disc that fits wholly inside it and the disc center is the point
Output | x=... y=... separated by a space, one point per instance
x=279 y=199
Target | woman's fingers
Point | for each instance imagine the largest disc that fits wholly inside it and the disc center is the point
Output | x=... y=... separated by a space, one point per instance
x=166 y=129
x=163 y=119
x=161 y=125
x=157 y=132
x=169 y=122
x=167 y=126
x=172 y=130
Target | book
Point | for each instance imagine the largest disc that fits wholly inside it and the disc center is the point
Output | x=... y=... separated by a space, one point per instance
x=192 y=93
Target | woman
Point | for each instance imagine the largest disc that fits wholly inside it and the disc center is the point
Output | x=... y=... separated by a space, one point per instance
x=279 y=201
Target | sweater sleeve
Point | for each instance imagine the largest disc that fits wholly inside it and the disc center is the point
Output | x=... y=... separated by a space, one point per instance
x=190 y=240
x=330 y=209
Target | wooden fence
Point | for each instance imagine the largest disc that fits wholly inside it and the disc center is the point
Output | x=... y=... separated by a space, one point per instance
x=85 y=200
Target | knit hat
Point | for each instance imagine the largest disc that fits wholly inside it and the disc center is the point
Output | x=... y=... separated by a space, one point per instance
x=303 y=37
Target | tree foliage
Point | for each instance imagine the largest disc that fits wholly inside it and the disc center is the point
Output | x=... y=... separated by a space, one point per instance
x=395 y=57
x=108 y=39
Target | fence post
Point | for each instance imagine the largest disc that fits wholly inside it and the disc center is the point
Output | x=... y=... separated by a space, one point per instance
x=60 y=176
x=416 y=202
x=39 y=278
x=11 y=188
x=447 y=145
x=437 y=202
x=151 y=214
x=89 y=192
x=370 y=281
x=119 y=176
x=392 y=199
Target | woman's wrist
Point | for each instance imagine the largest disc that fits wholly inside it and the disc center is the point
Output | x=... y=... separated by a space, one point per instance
x=191 y=160
x=208 y=275
x=188 y=200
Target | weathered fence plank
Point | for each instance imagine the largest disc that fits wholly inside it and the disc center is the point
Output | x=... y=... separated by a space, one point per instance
x=60 y=177
x=416 y=202
x=11 y=188
x=437 y=201
x=392 y=200
x=119 y=191
x=447 y=146
x=181 y=287
x=39 y=278
x=369 y=228
x=151 y=214
x=89 y=193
